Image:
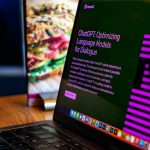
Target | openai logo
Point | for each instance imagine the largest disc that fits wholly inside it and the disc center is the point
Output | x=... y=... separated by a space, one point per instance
x=86 y=6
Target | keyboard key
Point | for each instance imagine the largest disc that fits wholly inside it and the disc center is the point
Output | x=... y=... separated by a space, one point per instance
x=49 y=148
x=52 y=140
x=33 y=140
x=45 y=135
x=71 y=141
x=37 y=132
x=3 y=145
x=67 y=147
x=20 y=145
x=25 y=148
x=64 y=138
x=17 y=131
x=27 y=136
x=6 y=135
x=68 y=140
x=76 y=144
x=57 y=133
x=32 y=128
x=59 y=144
x=20 y=133
x=85 y=148
x=37 y=143
x=50 y=129
x=23 y=135
x=41 y=146
x=63 y=146
x=13 y=140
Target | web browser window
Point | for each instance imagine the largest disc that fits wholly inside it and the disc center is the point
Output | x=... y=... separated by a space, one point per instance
x=106 y=82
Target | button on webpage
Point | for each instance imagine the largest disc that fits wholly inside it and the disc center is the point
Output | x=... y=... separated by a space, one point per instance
x=70 y=95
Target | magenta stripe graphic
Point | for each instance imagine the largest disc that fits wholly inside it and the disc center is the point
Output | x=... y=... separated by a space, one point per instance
x=146 y=56
x=139 y=113
x=140 y=99
x=70 y=94
x=146 y=42
x=145 y=49
x=141 y=121
x=146 y=79
x=147 y=66
x=137 y=127
x=146 y=72
x=142 y=107
x=147 y=36
x=145 y=86
x=140 y=92
x=136 y=134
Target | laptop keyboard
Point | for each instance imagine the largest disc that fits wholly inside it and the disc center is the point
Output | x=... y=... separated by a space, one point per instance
x=37 y=138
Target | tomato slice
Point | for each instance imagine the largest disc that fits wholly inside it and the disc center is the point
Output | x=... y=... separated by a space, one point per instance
x=50 y=55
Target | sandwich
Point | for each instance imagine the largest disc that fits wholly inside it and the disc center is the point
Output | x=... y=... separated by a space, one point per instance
x=49 y=28
x=45 y=21
x=47 y=58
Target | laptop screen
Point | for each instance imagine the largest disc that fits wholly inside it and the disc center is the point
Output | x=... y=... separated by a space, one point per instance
x=106 y=80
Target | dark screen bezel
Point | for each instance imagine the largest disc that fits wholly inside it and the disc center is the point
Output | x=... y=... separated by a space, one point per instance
x=24 y=3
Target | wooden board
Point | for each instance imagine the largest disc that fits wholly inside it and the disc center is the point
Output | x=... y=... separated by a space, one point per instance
x=47 y=85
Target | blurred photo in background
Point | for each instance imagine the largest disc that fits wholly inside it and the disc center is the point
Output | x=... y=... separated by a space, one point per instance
x=49 y=27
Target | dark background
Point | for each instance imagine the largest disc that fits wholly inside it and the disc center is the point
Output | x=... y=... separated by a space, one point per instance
x=128 y=19
x=12 y=70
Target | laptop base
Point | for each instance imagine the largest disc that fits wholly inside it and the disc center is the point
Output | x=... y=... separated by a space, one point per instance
x=45 y=135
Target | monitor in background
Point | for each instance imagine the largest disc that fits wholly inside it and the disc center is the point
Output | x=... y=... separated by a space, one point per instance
x=106 y=81
x=10 y=33
x=12 y=69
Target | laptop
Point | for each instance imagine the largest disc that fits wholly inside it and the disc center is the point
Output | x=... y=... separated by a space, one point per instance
x=104 y=97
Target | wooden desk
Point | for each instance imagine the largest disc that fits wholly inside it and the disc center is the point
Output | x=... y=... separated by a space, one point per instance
x=14 y=111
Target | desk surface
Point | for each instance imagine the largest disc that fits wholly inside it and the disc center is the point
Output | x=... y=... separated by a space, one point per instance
x=14 y=111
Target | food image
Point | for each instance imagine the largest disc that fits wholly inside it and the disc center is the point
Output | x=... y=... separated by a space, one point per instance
x=49 y=26
x=47 y=58
x=48 y=21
